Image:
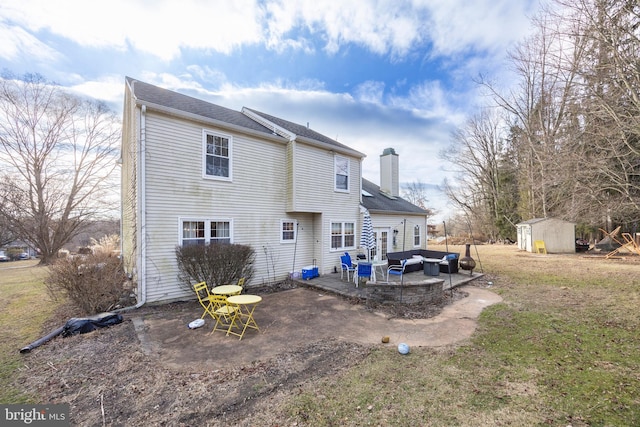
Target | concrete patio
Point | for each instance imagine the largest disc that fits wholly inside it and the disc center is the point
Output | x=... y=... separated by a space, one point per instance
x=315 y=311
x=333 y=284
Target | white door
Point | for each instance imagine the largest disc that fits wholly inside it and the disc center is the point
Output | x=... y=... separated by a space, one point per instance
x=381 y=236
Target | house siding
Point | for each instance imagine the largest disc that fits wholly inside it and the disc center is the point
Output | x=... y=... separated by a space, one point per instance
x=313 y=190
x=272 y=179
x=396 y=221
x=255 y=201
x=314 y=180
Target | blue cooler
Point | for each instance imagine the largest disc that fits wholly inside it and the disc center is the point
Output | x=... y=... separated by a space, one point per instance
x=309 y=272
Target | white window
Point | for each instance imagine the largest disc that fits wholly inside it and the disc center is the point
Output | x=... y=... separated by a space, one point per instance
x=217 y=156
x=192 y=233
x=204 y=232
x=341 y=167
x=416 y=236
x=343 y=235
x=288 y=230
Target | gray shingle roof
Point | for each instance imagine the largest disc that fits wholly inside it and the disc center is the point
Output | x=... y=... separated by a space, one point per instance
x=378 y=202
x=146 y=92
x=299 y=129
x=149 y=93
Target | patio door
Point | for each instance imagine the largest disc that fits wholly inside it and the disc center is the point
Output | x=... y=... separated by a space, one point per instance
x=381 y=236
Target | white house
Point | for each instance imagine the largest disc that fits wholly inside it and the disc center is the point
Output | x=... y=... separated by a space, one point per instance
x=195 y=172
x=559 y=236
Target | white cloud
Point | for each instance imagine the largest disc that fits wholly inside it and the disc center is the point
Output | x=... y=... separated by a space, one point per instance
x=109 y=89
x=164 y=27
x=161 y=27
x=383 y=27
x=370 y=91
x=17 y=44
x=458 y=25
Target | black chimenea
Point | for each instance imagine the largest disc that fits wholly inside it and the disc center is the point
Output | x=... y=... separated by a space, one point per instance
x=468 y=263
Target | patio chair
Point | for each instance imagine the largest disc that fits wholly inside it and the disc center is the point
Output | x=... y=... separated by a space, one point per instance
x=397 y=270
x=364 y=270
x=204 y=298
x=349 y=261
x=347 y=267
x=241 y=284
x=539 y=247
x=223 y=311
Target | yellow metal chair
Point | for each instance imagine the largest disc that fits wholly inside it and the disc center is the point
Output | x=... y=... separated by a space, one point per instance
x=241 y=284
x=222 y=309
x=539 y=247
x=204 y=298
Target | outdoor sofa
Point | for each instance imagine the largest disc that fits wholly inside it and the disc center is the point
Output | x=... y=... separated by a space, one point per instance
x=448 y=263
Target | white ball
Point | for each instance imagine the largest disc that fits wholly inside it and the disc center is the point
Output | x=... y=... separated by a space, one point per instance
x=403 y=348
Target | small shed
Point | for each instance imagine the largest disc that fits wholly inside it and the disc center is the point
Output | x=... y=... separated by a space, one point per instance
x=559 y=236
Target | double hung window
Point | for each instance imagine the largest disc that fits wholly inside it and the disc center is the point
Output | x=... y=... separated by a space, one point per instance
x=341 y=168
x=217 y=156
x=288 y=231
x=204 y=232
x=343 y=235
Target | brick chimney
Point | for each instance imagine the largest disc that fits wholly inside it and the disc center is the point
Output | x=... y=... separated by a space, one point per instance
x=389 y=181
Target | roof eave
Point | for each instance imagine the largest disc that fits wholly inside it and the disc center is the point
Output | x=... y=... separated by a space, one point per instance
x=330 y=147
x=394 y=212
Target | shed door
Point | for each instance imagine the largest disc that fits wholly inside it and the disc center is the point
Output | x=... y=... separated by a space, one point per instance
x=524 y=238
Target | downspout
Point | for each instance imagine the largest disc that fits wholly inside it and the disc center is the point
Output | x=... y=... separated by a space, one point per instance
x=141 y=230
x=140 y=210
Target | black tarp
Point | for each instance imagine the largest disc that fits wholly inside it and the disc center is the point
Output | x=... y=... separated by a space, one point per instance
x=77 y=325
x=82 y=325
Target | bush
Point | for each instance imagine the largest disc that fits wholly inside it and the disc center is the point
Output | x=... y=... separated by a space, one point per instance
x=94 y=283
x=217 y=264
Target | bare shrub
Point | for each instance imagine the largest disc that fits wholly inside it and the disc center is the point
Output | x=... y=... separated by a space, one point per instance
x=94 y=283
x=217 y=264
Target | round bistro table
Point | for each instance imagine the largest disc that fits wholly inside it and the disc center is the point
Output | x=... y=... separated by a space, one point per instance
x=227 y=290
x=246 y=305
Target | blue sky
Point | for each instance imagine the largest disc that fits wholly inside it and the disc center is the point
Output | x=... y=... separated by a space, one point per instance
x=370 y=73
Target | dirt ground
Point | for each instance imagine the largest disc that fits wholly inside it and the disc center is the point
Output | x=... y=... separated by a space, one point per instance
x=109 y=379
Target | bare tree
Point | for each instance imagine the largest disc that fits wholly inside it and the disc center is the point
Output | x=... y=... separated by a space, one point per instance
x=57 y=152
x=573 y=146
x=485 y=189
x=416 y=193
x=6 y=235
x=610 y=100
x=546 y=66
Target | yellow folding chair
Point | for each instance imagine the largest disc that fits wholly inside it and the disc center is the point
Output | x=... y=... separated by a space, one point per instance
x=204 y=298
x=539 y=247
x=241 y=284
x=222 y=309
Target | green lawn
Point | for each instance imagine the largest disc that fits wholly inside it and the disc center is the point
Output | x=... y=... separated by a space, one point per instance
x=24 y=307
x=562 y=349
